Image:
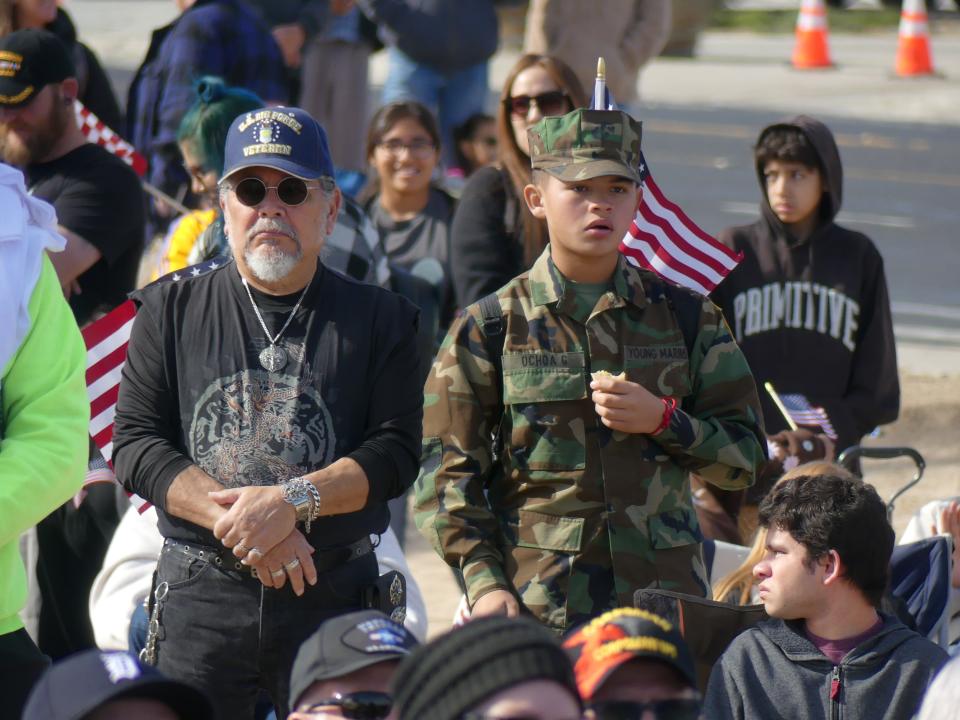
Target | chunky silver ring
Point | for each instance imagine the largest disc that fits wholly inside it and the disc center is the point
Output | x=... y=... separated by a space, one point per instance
x=241 y=548
x=293 y=564
x=278 y=573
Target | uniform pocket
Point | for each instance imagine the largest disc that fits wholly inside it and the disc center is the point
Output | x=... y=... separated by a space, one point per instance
x=664 y=370
x=540 y=550
x=549 y=532
x=544 y=393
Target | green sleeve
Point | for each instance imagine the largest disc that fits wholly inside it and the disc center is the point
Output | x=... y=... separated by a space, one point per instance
x=46 y=414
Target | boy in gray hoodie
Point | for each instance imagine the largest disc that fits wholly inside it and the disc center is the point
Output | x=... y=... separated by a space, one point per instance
x=826 y=651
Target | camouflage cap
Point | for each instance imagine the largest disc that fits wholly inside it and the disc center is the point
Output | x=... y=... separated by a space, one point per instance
x=585 y=144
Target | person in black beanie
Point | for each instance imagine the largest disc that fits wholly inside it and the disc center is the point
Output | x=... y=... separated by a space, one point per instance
x=492 y=667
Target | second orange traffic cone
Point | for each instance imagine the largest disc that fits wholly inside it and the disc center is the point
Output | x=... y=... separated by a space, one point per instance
x=913 y=46
x=811 y=49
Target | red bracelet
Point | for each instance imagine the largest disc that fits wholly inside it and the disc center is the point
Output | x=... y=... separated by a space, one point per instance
x=669 y=405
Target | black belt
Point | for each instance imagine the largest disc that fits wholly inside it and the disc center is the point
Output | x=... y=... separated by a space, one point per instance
x=323 y=560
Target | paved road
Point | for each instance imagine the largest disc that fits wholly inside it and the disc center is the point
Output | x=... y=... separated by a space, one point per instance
x=900 y=141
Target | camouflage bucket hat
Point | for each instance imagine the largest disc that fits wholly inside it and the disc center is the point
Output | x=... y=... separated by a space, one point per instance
x=585 y=144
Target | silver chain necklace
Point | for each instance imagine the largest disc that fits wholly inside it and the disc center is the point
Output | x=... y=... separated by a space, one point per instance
x=273 y=358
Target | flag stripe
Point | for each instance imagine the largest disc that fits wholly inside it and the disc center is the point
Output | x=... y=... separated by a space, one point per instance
x=102 y=386
x=97 y=332
x=680 y=252
x=662 y=238
x=643 y=253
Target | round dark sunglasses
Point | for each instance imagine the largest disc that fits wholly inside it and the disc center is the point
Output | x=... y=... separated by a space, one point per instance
x=251 y=191
x=554 y=102
x=364 y=705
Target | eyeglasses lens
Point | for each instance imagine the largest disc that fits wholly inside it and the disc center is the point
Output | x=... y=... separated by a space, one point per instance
x=251 y=191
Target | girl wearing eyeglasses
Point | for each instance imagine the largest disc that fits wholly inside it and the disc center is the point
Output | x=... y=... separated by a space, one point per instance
x=411 y=213
x=495 y=237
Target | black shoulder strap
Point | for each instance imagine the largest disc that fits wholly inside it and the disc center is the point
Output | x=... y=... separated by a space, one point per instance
x=494 y=333
x=493 y=330
x=686 y=308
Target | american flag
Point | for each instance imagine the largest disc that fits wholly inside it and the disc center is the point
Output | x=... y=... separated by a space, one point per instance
x=106 y=341
x=95 y=131
x=803 y=413
x=663 y=239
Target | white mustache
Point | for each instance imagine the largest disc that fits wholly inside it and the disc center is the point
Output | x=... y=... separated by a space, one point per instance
x=273 y=225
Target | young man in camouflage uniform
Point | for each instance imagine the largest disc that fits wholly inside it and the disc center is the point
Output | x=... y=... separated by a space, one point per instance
x=588 y=500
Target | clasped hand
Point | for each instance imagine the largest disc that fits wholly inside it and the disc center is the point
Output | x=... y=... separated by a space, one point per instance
x=626 y=406
x=256 y=521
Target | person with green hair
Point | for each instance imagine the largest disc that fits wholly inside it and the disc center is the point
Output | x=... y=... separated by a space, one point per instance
x=198 y=235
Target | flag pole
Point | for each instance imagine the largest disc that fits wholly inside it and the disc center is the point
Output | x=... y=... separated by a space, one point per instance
x=600 y=85
x=163 y=197
x=768 y=386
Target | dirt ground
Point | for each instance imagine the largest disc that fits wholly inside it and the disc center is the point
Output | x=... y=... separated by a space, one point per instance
x=929 y=422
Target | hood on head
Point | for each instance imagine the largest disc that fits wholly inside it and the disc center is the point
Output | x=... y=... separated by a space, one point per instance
x=831 y=169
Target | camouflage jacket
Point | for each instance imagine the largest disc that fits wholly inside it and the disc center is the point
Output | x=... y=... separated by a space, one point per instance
x=573 y=517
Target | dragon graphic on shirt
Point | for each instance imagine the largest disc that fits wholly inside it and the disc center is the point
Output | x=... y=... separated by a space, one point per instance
x=261 y=428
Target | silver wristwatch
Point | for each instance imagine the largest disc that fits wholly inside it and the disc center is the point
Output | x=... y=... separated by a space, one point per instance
x=303 y=495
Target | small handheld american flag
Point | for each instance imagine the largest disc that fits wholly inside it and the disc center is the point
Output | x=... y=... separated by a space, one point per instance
x=803 y=413
x=662 y=238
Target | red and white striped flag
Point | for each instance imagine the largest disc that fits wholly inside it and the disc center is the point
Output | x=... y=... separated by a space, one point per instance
x=663 y=239
x=95 y=131
x=106 y=340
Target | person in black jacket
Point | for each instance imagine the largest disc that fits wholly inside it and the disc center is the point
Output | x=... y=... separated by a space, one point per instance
x=808 y=304
x=269 y=409
x=494 y=237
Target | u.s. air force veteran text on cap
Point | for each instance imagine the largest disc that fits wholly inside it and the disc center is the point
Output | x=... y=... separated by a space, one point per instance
x=282 y=138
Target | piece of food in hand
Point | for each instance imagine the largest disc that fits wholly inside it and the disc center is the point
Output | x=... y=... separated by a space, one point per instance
x=603 y=373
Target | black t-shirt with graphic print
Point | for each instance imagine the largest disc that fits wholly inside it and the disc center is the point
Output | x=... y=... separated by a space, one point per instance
x=194 y=392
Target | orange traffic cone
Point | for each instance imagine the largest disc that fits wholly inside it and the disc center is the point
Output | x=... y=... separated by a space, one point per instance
x=913 y=46
x=811 y=50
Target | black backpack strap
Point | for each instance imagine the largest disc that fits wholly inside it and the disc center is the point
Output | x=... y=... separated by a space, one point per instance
x=686 y=308
x=494 y=332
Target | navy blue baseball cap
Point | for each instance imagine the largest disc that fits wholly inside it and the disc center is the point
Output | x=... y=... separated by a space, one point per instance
x=81 y=683
x=283 y=138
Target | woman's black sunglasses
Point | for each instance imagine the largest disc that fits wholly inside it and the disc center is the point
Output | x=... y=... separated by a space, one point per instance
x=364 y=705
x=554 y=102
x=251 y=191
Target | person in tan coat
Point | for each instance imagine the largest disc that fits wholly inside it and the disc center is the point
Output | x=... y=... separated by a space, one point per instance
x=627 y=33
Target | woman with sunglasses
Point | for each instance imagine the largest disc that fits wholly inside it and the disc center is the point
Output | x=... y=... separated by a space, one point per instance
x=494 y=236
x=412 y=215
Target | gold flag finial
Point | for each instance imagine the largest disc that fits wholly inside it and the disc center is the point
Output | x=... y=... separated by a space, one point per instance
x=601 y=68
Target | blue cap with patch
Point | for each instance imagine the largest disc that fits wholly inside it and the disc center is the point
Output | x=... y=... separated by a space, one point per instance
x=347 y=643
x=283 y=138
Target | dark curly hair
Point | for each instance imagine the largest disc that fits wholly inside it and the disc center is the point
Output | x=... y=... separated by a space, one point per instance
x=786 y=143
x=829 y=512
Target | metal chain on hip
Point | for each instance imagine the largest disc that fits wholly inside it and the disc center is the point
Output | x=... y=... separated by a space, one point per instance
x=274 y=358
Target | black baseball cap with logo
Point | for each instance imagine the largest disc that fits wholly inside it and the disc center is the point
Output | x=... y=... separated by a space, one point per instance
x=29 y=61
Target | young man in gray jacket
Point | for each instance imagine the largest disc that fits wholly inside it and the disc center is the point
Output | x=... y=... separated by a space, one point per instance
x=826 y=652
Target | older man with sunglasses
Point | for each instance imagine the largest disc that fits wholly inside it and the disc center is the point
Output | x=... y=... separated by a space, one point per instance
x=269 y=408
